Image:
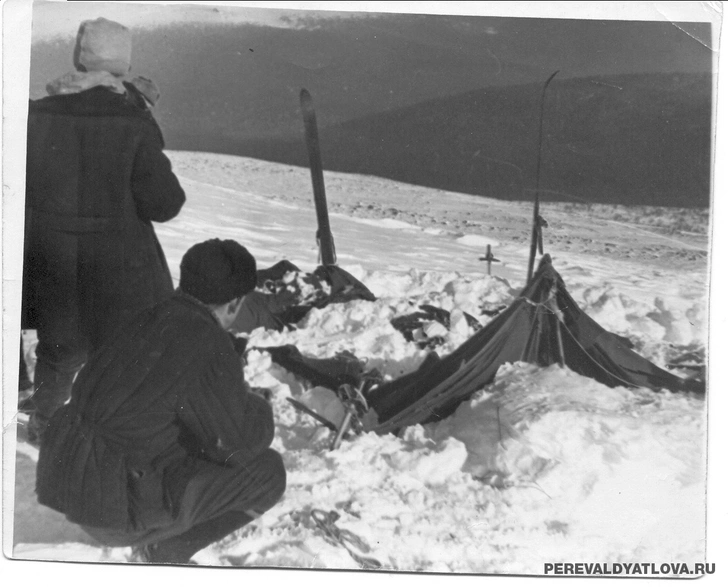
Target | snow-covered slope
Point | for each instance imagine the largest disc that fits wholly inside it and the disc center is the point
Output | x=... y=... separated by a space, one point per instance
x=542 y=466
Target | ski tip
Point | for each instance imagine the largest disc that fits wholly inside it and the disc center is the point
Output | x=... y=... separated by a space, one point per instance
x=305 y=95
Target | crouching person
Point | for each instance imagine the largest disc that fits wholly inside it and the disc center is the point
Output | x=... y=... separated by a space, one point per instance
x=162 y=446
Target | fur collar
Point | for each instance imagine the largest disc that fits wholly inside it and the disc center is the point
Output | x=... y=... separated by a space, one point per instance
x=75 y=82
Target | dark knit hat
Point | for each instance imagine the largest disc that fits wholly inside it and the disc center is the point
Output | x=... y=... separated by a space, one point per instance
x=217 y=271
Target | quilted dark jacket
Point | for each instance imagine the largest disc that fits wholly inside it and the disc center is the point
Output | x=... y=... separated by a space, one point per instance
x=164 y=395
x=96 y=179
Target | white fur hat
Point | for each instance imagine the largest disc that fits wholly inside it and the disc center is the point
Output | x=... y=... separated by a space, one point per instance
x=103 y=45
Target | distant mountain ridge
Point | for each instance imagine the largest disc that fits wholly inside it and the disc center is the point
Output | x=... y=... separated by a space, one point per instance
x=631 y=140
x=440 y=102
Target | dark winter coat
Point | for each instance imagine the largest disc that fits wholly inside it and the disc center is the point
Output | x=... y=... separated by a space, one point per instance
x=164 y=395
x=96 y=179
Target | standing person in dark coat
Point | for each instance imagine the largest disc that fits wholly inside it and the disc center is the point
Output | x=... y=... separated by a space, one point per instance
x=163 y=446
x=96 y=180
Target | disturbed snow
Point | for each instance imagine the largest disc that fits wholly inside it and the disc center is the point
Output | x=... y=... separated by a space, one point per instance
x=542 y=466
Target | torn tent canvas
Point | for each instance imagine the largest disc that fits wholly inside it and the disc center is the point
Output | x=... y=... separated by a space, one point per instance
x=285 y=294
x=415 y=327
x=543 y=326
x=342 y=369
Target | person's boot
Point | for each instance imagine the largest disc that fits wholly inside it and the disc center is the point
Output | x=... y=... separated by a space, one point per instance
x=37 y=425
x=26 y=405
x=52 y=390
x=180 y=549
x=25 y=385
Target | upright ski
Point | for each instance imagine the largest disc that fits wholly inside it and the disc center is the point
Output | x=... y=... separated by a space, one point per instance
x=324 y=236
x=538 y=222
x=344 y=286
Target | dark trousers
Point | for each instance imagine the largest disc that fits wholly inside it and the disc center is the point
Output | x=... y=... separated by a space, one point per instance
x=24 y=382
x=51 y=304
x=59 y=357
x=216 y=502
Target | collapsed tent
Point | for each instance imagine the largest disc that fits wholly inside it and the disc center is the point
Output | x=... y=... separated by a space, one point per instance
x=543 y=326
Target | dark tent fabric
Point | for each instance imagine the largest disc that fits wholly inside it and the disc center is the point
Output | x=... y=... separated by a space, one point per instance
x=344 y=368
x=276 y=303
x=258 y=310
x=543 y=326
x=344 y=286
x=409 y=323
x=270 y=306
x=275 y=273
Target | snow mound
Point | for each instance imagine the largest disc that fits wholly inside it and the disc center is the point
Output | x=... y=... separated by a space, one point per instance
x=612 y=471
x=477 y=241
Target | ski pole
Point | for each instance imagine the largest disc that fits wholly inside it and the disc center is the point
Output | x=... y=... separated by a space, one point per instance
x=343 y=428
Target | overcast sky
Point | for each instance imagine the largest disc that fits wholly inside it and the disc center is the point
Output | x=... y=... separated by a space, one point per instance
x=61 y=18
x=56 y=17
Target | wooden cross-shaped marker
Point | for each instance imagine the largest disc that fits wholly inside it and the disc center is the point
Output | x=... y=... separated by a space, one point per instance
x=489 y=258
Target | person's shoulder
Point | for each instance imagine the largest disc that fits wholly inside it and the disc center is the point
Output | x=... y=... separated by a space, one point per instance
x=97 y=101
x=185 y=311
x=47 y=103
x=173 y=327
x=187 y=325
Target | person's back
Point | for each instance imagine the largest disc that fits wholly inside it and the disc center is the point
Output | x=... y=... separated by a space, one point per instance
x=159 y=415
x=97 y=178
x=173 y=374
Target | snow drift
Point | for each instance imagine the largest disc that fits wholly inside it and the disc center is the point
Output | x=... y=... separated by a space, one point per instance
x=542 y=465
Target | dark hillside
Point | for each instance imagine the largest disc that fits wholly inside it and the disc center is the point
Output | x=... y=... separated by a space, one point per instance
x=633 y=139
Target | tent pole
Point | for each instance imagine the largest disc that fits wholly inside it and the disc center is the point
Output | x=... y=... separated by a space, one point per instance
x=559 y=321
x=560 y=341
x=536 y=228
